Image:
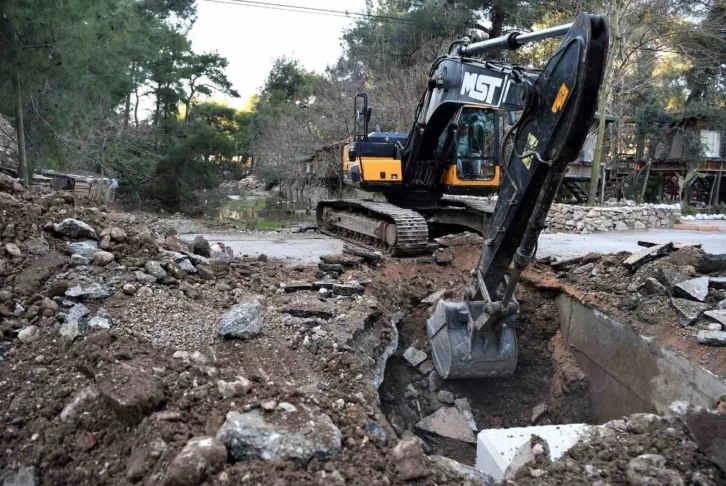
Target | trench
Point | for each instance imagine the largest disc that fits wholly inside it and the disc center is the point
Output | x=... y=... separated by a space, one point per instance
x=576 y=365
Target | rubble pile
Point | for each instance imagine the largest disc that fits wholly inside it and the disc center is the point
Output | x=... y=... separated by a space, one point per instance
x=566 y=218
x=667 y=287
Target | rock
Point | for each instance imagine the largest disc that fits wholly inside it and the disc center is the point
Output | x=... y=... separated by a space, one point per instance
x=196 y=259
x=717 y=283
x=201 y=458
x=79 y=260
x=583 y=269
x=200 y=246
x=414 y=356
x=101 y=322
x=13 y=250
x=70 y=330
x=143 y=459
x=434 y=297
x=205 y=272
x=474 y=476
x=155 y=269
x=435 y=381
x=231 y=389
x=261 y=257
x=117 y=234
x=250 y=436
x=268 y=405
x=92 y=291
x=38 y=246
x=5 y=296
x=695 y=288
x=348 y=261
x=78 y=312
x=650 y=470
x=462 y=405
x=688 y=310
x=82 y=396
x=102 y=258
x=714 y=327
x=718 y=315
x=711 y=264
x=375 y=433
x=187 y=266
x=331 y=267
x=397 y=423
x=84 y=248
x=445 y=397
x=24 y=477
x=29 y=334
x=670 y=277
x=286 y=407
x=175 y=271
x=712 y=338
x=243 y=321
x=297 y=287
x=408 y=456
x=426 y=367
x=130 y=391
x=105 y=242
x=538 y=411
x=73 y=228
x=144 y=278
x=448 y=422
x=348 y=289
x=129 y=289
x=641 y=423
x=654 y=287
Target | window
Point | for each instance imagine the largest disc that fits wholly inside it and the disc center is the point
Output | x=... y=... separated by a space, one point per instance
x=711 y=141
x=476 y=144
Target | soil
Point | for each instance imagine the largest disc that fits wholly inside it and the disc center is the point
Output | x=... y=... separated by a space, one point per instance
x=115 y=406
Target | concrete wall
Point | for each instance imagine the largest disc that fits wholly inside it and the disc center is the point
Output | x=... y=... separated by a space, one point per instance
x=627 y=372
x=565 y=218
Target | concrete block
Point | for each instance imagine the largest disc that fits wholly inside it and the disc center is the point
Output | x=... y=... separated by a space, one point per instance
x=496 y=448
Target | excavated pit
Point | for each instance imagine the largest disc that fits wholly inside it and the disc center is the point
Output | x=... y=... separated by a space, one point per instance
x=546 y=388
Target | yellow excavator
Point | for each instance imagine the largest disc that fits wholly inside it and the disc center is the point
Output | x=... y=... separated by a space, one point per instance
x=476 y=338
x=454 y=148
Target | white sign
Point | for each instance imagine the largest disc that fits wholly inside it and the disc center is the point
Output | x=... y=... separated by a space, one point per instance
x=480 y=86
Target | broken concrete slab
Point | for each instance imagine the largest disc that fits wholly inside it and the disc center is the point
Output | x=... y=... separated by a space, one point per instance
x=462 y=405
x=448 y=422
x=496 y=448
x=676 y=245
x=331 y=267
x=348 y=289
x=695 y=288
x=538 y=411
x=434 y=297
x=414 y=356
x=718 y=315
x=254 y=435
x=670 y=277
x=297 y=287
x=583 y=269
x=638 y=259
x=474 y=476
x=345 y=260
x=712 y=338
x=688 y=310
x=711 y=264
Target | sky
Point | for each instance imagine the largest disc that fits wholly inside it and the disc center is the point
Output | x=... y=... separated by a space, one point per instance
x=251 y=38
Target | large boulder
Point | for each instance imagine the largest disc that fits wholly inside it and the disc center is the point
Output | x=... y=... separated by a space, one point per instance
x=74 y=228
x=130 y=391
x=297 y=437
x=243 y=321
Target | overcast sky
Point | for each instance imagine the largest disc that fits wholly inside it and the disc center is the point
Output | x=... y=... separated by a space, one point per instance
x=252 y=38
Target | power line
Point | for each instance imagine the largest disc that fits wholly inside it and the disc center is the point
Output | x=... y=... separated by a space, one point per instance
x=328 y=12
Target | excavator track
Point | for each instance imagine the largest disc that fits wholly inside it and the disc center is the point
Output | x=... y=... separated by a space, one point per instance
x=375 y=225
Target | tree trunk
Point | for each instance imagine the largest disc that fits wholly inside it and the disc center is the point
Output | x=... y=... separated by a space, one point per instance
x=136 y=106
x=717 y=197
x=602 y=104
x=20 y=129
x=645 y=181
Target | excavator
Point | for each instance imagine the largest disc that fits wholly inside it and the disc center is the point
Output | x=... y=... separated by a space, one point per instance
x=476 y=338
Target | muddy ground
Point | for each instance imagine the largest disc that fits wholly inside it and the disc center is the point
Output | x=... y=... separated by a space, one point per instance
x=121 y=389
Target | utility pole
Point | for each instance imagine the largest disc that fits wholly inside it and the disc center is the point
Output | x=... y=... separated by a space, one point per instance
x=602 y=104
x=22 y=159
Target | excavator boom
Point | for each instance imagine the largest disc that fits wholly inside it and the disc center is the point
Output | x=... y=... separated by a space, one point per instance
x=476 y=338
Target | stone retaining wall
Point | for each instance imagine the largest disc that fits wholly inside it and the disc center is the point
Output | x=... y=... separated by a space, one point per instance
x=564 y=218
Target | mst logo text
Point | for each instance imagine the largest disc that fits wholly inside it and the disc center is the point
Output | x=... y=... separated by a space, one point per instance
x=481 y=87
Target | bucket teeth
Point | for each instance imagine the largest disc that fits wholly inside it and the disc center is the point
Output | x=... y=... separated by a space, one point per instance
x=491 y=354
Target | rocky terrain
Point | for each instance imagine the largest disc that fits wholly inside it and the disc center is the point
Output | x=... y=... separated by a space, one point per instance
x=130 y=357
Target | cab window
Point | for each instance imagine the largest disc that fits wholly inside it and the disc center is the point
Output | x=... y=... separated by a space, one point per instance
x=476 y=145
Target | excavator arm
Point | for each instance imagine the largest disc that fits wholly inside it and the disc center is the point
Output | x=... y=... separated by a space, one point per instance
x=476 y=338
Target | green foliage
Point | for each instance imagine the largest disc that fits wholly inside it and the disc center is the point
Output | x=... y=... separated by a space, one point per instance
x=689 y=210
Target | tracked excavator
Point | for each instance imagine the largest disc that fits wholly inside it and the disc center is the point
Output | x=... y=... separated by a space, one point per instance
x=476 y=338
x=454 y=149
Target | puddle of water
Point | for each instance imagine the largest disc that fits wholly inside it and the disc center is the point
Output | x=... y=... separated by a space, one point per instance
x=260 y=212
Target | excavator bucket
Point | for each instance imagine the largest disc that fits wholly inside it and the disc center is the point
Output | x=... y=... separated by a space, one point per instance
x=492 y=354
